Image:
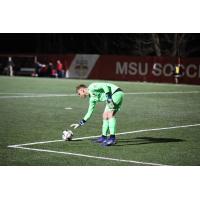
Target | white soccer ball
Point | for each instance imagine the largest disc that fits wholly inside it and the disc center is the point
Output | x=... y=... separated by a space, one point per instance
x=67 y=135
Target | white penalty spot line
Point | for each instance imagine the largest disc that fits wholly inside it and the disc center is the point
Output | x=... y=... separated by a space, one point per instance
x=68 y=108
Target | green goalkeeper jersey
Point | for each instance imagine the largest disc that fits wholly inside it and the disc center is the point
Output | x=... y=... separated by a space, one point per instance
x=97 y=93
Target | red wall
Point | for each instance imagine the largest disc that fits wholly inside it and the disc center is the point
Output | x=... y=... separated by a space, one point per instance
x=130 y=68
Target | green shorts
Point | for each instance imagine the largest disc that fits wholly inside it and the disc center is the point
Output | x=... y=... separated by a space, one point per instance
x=117 y=99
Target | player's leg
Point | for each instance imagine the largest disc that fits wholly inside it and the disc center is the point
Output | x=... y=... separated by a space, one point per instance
x=10 y=70
x=105 y=127
x=176 y=79
x=112 y=128
x=112 y=122
x=109 y=123
x=117 y=99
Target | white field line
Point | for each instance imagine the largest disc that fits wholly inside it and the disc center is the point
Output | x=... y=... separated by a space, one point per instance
x=172 y=92
x=39 y=95
x=68 y=108
x=20 y=93
x=90 y=156
x=95 y=136
x=21 y=146
x=29 y=95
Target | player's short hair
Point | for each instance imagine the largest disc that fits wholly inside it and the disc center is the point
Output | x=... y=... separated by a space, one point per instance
x=80 y=86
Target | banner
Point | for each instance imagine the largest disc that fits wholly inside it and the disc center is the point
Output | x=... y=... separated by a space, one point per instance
x=114 y=67
x=129 y=68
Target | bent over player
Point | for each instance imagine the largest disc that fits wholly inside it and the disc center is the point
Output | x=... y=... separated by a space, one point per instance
x=99 y=92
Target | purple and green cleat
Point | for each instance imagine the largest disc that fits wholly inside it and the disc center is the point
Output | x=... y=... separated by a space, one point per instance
x=101 y=139
x=110 y=141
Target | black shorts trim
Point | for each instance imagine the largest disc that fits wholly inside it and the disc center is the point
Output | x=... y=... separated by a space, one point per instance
x=117 y=90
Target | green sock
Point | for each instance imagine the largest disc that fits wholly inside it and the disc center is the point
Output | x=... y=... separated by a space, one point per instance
x=112 y=125
x=105 y=127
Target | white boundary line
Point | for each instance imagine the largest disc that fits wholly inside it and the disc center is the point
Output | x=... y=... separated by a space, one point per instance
x=95 y=136
x=172 y=92
x=21 y=146
x=90 y=156
x=39 y=95
x=73 y=95
x=21 y=93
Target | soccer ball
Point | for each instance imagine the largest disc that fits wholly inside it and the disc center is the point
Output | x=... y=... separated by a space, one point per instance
x=67 y=135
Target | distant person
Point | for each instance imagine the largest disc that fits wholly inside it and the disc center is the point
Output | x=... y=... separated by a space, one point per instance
x=50 y=67
x=10 y=66
x=38 y=68
x=102 y=92
x=59 y=69
x=178 y=73
x=54 y=73
x=67 y=73
x=51 y=70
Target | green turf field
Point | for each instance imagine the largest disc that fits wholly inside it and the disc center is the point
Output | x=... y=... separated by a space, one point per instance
x=32 y=110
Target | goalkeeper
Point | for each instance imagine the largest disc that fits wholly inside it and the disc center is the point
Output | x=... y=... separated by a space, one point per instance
x=102 y=92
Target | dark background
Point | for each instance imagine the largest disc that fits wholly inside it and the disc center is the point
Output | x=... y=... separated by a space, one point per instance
x=137 y=44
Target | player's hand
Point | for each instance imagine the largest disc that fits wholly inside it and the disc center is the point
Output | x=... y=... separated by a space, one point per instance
x=74 y=125
x=110 y=102
x=109 y=97
x=81 y=123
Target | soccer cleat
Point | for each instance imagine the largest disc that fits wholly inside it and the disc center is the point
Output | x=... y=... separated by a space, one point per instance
x=101 y=139
x=111 y=141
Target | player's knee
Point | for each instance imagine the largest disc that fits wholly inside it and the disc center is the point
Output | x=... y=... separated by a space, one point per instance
x=105 y=116
x=109 y=115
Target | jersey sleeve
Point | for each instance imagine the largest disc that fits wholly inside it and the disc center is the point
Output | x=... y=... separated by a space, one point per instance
x=91 y=107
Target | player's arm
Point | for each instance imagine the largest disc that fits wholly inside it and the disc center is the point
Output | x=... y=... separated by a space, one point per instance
x=91 y=107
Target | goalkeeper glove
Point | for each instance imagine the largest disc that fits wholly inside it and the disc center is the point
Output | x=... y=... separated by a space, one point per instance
x=109 y=100
x=81 y=123
x=109 y=97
